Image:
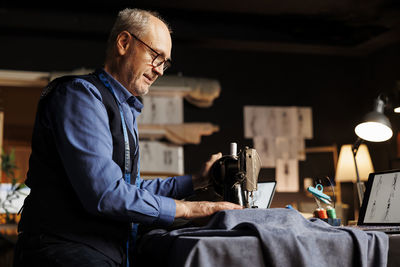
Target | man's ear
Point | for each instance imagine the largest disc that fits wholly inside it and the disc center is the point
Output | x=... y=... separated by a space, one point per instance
x=123 y=42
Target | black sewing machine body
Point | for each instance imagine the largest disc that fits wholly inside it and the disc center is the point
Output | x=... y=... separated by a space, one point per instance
x=235 y=177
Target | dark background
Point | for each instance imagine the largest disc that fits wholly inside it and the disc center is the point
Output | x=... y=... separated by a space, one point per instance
x=334 y=57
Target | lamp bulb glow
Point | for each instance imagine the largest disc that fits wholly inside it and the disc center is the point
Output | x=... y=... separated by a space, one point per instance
x=374 y=131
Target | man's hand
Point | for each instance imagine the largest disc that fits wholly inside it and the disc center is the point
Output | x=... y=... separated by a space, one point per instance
x=202 y=179
x=199 y=209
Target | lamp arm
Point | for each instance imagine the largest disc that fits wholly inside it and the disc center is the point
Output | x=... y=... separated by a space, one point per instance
x=360 y=186
x=356 y=146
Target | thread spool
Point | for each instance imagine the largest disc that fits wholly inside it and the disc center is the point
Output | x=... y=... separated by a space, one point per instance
x=233 y=149
x=331 y=212
x=322 y=214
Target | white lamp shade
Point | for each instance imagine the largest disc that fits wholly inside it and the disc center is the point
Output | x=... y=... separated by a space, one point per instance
x=346 y=171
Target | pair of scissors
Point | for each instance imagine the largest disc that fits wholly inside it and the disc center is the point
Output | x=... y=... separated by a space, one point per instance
x=317 y=192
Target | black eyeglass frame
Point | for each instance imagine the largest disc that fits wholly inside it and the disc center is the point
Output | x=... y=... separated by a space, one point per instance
x=167 y=62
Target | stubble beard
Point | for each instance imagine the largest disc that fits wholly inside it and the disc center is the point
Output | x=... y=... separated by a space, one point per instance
x=138 y=87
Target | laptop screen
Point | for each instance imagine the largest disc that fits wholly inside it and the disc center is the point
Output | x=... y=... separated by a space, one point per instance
x=263 y=196
x=381 y=204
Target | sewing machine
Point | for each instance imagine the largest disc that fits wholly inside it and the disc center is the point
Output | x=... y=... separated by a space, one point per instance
x=235 y=176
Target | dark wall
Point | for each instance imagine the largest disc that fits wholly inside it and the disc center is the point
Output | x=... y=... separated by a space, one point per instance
x=340 y=91
x=49 y=53
x=381 y=76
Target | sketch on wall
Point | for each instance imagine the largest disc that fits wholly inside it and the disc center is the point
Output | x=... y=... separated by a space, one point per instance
x=161 y=110
x=287 y=173
x=157 y=157
x=279 y=135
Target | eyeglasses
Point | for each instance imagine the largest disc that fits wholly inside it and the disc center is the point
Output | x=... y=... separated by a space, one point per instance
x=158 y=60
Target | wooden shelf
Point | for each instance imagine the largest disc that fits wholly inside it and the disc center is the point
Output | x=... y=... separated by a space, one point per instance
x=179 y=134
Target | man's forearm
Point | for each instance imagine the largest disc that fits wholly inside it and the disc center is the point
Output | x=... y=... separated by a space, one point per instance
x=198 y=209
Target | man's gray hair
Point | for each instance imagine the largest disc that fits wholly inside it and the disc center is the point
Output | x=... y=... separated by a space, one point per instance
x=133 y=20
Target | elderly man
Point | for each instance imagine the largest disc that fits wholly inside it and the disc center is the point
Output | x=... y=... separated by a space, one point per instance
x=84 y=173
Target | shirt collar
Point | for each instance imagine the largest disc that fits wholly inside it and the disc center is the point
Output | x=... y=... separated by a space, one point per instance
x=121 y=93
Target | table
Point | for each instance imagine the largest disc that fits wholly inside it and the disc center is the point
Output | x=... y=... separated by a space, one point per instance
x=153 y=250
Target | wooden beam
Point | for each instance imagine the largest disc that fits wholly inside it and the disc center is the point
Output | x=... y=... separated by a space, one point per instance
x=19 y=78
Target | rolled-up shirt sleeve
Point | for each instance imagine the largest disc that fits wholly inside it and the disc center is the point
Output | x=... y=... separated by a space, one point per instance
x=79 y=123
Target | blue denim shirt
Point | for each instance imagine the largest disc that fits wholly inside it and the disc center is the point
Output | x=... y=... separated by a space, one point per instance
x=80 y=125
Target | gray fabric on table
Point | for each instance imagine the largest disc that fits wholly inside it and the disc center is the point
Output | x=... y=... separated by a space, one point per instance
x=286 y=239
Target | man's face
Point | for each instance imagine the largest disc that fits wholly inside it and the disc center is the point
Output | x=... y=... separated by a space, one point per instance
x=140 y=71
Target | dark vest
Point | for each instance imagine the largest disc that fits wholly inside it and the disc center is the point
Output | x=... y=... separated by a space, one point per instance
x=53 y=206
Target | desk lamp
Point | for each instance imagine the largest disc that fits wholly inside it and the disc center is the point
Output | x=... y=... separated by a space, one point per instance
x=375 y=127
x=346 y=169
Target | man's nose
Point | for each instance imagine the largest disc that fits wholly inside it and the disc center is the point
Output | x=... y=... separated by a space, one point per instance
x=159 y=70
